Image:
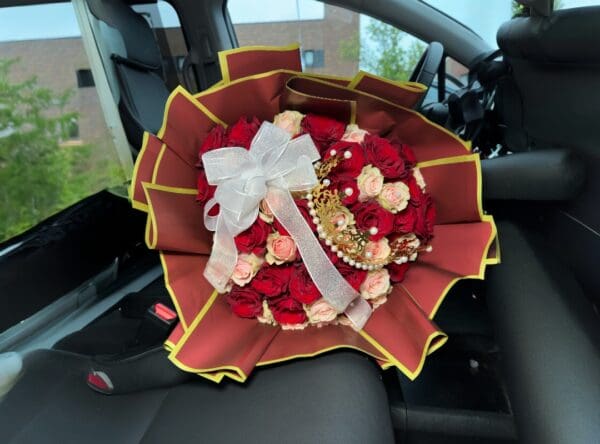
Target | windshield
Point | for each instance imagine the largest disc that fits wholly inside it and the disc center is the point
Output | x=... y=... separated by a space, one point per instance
x=485 y=17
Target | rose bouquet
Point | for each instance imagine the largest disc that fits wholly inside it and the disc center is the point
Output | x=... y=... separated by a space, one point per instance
x=288 y=201
x=367 y=205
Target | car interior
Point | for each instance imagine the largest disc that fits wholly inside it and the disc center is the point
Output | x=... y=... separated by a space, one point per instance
x=80 y=290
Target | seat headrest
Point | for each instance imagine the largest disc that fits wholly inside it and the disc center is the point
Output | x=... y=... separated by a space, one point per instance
x=140 y=44
x=567 y=36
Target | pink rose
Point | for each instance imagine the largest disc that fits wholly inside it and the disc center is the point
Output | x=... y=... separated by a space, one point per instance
x=370 y=182
x=354 y=134
x=411 y=243
x=289 y=121
x=321 y=312
x=394 y=196
x=342 y=218
x=378 y=301
x=343 y=320
x=266 y=317
x=246 y=268
x=419 y=178
x=377 y=251
x=376 y=284
x=293 y=326
x=264 y=212
x=280 y=249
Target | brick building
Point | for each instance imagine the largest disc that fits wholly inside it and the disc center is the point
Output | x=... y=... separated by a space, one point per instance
x=61 y=64
x=320 y=39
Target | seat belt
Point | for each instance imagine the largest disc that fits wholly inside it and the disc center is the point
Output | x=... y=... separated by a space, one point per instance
x=468 y=106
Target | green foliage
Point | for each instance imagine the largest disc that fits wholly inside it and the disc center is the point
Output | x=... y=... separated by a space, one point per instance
x=387 y=53
x=519 y=10
x=38 y=176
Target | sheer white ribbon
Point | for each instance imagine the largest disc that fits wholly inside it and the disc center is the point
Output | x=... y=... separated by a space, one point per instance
x=272 y=168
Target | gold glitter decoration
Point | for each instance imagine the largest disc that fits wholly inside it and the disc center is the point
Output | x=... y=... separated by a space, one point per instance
x=345 y=239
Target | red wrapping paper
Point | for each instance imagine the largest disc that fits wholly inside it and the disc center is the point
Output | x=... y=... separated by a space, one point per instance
x=213 y=342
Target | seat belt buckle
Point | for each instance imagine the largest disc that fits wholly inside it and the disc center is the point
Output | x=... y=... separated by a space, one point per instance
x=157 y=324
x=163 y=314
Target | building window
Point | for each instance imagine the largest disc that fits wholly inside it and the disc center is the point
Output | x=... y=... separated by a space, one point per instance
x=313 y=58
x=84 y=78
x=73 y=129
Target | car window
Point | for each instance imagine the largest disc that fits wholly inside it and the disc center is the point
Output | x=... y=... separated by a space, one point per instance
x=55 y=147
x=568 y=4
x=483 y=17
x=334 y=40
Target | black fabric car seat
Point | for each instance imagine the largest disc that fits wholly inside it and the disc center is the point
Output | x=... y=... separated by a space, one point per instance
x=549 y=337
x=129 y=47
x=555 y=65
x=337 y=398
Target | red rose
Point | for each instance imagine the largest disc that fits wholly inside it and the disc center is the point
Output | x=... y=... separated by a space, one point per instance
x=416 y=194
x=405 y=152
x=348 y=167
x=287 y=310
x=302 y=288
x=272 y=281
x=304 y=211
x=397 y=271
x=242 y=132
x=333 y=257
x=343 y=183
x=254 y=239
x=425 y=218
x=245 y=302
x=353 y=276
x=215 y=139
x=404 y=221
x=371 y=214
x=323 y=130
x=205 y=191
x=381 y=154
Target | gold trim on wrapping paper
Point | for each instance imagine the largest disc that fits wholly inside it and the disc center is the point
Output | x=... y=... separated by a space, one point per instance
x=180 y=90
x=498 y=258
x=134 y=179
x=322 y=76
x=151 y=243
x=134 y=203
x=151 y=221
x=438 y=336
x=317 y=353
x=484 y=218
x=413 y=87
x=467 y=145
x=225 y=65
x=161 y=153
x=352 y=103
x=216 y=374
x=172 y=294
x=198 y=96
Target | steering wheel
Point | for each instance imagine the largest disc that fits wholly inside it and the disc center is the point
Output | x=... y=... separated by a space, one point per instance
x=428 y=64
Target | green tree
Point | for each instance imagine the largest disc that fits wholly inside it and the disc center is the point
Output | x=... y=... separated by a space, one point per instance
x=38 y=176
x=519 y=10
x=383 y=50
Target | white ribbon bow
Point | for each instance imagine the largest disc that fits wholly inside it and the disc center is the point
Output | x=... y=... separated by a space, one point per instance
x=272 y=168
